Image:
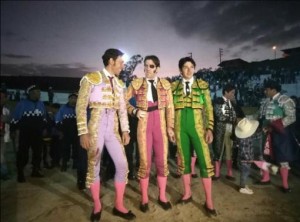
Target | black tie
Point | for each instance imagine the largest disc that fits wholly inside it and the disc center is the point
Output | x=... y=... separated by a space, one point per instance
x=187 y=88
x=111 y=83
x=153 y=89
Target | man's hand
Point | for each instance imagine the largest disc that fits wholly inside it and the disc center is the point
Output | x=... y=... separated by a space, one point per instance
x=125 y=138
x=171 y=134
x=267 y=129
x=209 y=136
x=141 y=114
x=85 y=141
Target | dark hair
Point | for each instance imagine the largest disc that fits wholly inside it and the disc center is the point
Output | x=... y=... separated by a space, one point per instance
x=272 y=85
x=154 y=58
x=73 y=94
x=182 y=61
x=227 y=88
x=111 y=54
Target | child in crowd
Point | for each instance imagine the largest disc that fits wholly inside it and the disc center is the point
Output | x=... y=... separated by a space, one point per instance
x=246 y=132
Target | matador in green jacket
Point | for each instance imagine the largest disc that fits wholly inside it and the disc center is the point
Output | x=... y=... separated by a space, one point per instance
x=194 y=124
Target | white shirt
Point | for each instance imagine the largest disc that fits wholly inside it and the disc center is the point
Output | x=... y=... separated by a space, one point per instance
x=228 y=125
x=149 y=91
x=107 y=74
x=275 y=96
x=191 y=81
x=227 y=100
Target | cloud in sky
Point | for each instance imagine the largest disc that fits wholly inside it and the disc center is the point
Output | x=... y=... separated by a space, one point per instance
x=59 y=70
x=14 y=56
x=78 y=32
x=248 y=24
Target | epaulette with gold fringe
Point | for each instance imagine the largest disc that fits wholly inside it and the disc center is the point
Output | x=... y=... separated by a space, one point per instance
x=137 y=83
x=94 y=78
x=165 y=84
x=202 y=84
x=175 y=85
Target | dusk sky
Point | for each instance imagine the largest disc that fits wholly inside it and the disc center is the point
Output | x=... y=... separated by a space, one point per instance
x=68 y=38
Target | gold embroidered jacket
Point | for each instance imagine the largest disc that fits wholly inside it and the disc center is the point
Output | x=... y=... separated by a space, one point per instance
x=139 y=88
x=96 y=93
x=198 y=99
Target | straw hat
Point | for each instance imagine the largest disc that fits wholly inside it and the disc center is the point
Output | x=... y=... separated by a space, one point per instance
x=246 y=128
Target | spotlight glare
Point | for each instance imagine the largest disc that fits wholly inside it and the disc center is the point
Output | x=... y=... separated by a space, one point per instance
x=125 y=57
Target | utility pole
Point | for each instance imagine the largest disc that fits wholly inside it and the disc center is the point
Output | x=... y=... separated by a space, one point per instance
x=191 y=54
x=220 y=54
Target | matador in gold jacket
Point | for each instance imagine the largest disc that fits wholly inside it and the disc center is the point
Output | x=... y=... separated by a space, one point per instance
x=194 y=123
x=103 y=94
x=155 y=111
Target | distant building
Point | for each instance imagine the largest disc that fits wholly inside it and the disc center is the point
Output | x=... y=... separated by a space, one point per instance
x=291 y=52
x=234 y=63
x=290 y=60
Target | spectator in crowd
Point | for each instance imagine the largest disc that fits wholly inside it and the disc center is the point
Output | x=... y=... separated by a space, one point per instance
x=65 y=120
x=225 y=117
x=29 y=118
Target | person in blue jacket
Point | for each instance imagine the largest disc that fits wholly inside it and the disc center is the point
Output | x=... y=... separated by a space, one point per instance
x=65 y=120
x=29 y=118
